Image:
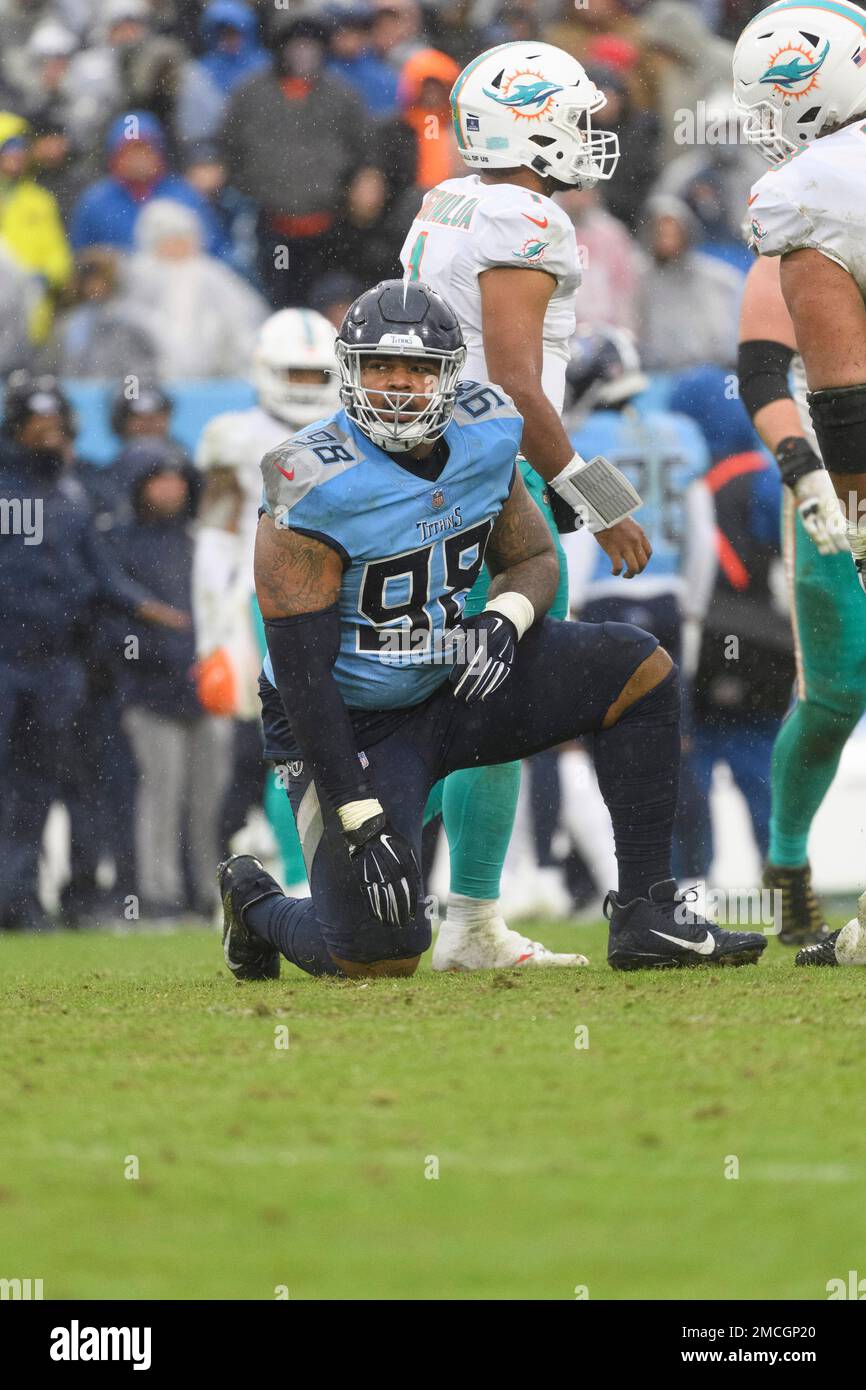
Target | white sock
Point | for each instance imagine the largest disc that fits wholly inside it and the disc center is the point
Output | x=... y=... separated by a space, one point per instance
x=465 y=913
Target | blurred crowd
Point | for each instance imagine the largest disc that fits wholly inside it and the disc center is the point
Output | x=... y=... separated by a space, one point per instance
x=171 y=173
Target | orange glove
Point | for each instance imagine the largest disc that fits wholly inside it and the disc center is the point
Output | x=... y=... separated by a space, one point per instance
x=216 y=683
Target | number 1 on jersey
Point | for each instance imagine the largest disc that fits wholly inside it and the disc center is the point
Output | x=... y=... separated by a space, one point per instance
x=414 y=265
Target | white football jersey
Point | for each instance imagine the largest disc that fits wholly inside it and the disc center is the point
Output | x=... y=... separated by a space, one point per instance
x=239 y=440
x=465 y=227
x=816 y=200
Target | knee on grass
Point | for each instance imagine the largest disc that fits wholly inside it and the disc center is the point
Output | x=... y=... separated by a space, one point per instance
x=356 y=969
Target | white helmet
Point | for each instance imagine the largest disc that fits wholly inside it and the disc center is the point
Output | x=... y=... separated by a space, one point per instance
x=290 y=341
x=531 y=104
x=799 y=69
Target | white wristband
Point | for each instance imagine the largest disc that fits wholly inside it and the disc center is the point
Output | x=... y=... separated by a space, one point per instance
x=517 y=608
x=354 y=813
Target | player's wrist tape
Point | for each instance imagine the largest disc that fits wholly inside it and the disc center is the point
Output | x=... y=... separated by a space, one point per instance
x=856 y=532
x=839 y=416
x=517 y=608
x=355 y=813
x=596 y=491
x=762 y=369
x=796 y=457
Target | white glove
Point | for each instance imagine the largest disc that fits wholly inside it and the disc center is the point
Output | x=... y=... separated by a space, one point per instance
x=821 y=513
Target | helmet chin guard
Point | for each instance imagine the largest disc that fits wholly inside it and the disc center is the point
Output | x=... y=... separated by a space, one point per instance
x=401 y=319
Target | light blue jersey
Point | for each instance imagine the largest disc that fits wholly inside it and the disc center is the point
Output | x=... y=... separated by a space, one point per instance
x=411 y=548
x=661 y=454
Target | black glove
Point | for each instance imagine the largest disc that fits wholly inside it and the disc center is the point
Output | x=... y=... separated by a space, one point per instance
x=486 y=651
x=387 y=869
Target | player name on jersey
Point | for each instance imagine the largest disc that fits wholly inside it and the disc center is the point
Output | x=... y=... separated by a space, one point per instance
x=448 y=209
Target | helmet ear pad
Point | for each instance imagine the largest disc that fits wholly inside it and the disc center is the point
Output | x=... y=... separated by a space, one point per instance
x=403 y=318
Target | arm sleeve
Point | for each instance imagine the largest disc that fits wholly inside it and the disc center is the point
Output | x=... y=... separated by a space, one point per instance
x=303 y=650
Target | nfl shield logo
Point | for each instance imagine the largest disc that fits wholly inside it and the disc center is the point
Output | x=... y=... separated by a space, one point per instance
x=438 y=498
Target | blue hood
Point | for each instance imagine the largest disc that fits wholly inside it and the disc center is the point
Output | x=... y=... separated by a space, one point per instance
x=227 y=69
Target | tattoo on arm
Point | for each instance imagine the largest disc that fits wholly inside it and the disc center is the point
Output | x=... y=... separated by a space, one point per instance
x=520 y=553
x=294 y=573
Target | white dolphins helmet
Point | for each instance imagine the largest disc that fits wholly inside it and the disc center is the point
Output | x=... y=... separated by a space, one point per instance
x=290 y=341
x=799 y=69
x=531 y=104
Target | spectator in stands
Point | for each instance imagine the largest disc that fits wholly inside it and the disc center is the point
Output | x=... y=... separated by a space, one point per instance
x=576 y=28
x=141 y=410
x=688 y=61
x=107 y=212
x=43 y=80
x=100 y=331
x=416 y=150
x=625 y=194
x=295 y=140
x=688 y=303
x=181 y=754
x=131 y=66
x=334 y=293
x=232 y=52
x=52 y=540
x=30 y=227
x=204 y=317
x=205 y=170
x=16 y=305
x=56 y=165
x=610 y=261
x=715 y=177
x=352 y=57
x=398 y=30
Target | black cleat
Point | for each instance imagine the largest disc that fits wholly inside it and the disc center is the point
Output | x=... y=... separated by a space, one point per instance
x=661 y=931
x=243 y=881
x=799 y=918
x=820 y=952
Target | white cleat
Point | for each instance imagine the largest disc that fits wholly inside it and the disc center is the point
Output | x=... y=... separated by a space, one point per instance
x=851 y=944
x=491 y=945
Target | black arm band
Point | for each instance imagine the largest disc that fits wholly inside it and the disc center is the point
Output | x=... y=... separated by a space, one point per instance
x=303 y=651
x=839 y=416
x=762 y=367
x=796 y=457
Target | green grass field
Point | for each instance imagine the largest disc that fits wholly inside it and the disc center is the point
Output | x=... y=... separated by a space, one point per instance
x=304 y=1166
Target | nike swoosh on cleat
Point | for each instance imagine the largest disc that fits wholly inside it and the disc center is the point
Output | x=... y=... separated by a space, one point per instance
x=703 y=948
x=539 y=221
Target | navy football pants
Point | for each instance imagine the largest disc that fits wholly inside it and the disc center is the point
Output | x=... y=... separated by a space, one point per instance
x=566 y=677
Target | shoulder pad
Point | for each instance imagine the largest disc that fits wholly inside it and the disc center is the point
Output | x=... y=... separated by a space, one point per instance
x=479 y=401
x=305 y=461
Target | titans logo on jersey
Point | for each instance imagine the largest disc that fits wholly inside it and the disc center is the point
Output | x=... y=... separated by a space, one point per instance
x=411 y=548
